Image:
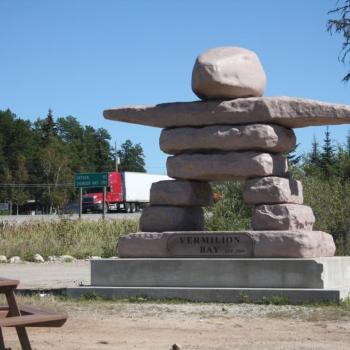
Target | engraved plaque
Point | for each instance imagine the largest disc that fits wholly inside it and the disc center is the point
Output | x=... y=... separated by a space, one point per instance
x=234 y=245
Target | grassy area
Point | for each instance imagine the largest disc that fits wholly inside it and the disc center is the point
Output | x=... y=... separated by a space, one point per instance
x=77 y=238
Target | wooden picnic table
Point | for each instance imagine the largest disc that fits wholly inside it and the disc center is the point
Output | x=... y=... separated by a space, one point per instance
x=20 y=318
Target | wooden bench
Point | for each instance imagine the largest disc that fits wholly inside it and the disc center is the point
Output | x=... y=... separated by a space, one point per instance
x=13 y=316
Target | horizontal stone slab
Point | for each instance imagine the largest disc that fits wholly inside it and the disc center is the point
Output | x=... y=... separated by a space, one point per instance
x=225 y=166
x=273 y=189
x=236 y=244
x=181 y=193
x=158 y=218
x=283 y=217
x=286 y=111
x=263 y=137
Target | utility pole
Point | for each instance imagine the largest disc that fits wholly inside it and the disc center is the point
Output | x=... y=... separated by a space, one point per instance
x=116 y=156
x=104 y=209
x=80 y=202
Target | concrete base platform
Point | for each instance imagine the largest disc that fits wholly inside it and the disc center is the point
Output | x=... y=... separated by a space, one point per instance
x=221 y=279
x=320 y=273
x=218 y=295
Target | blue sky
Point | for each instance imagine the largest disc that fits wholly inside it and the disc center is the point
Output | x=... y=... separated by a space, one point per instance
x=79 y=57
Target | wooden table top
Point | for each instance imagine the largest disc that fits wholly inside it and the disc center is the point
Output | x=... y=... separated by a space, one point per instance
x=5 y=282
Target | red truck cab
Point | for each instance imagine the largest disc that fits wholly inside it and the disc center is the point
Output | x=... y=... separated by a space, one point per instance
x=92 y=199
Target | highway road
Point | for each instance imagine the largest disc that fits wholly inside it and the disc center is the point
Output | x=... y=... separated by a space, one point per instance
x=18 y=219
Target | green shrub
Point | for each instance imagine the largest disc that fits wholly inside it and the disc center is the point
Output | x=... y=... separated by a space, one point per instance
x=229 y=213
x=330 y=201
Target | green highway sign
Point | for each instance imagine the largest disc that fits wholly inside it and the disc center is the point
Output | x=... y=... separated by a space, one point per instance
x=91 y=180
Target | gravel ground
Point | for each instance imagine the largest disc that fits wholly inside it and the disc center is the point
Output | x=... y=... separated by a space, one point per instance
x=151 y=326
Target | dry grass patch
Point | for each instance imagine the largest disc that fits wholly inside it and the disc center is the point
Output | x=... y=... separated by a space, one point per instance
x=80 y=239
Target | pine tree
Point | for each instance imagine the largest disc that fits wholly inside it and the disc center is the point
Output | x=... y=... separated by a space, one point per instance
x=20 y=177
x=348 y=143
x=311 y=162
x=131 y=157
x=293 y=158
x=328 y=156
x=55 y=168
x=315 y=153
x=103 y=151
x=70 y=131
x=48 y=128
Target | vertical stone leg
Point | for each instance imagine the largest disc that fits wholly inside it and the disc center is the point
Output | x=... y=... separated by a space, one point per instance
x=278 y=204
x=158 y=218
x=176 y=206
x=273 y=190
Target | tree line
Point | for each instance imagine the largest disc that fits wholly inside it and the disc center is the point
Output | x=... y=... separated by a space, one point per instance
x=38 y=159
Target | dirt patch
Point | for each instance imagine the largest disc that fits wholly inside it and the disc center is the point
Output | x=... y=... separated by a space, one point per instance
x=48 y=275
x=124 y=325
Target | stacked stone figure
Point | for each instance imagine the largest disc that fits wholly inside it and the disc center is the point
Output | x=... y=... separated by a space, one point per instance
x=234 y=133
x=227 y=152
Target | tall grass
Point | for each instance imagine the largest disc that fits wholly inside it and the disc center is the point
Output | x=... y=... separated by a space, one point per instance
x=80 y=239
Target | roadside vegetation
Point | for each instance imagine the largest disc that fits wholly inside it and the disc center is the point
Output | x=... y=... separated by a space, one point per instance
x=80 y=239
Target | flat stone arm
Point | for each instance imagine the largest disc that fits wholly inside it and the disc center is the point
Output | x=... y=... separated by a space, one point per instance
x=290 y=112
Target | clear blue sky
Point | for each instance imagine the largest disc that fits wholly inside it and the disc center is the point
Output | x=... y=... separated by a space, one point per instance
x=79 y=57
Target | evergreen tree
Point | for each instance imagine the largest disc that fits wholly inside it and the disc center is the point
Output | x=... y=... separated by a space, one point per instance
x=5 y=180
x=131 y=157
x=342 y=163
x=315 y=157
x=311 y=162
x=293 y=158
x=328 y=165
x=89 y=147
x=103 y=152
x=55 y=168
x=71 y=133
x=348 y=143
x=20 y=177
x=3 y=162
x=46 y=128
x=49 y=126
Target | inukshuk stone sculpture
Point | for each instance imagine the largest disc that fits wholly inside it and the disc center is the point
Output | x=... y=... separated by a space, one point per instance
x=233 y=134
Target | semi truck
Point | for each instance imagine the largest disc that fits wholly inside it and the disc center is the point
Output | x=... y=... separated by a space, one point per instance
x=127 y=191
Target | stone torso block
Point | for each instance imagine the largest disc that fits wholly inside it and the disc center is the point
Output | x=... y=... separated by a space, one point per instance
x=225 y=166
x=263 y=137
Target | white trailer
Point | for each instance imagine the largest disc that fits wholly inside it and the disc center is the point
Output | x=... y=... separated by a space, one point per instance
x=137 y=186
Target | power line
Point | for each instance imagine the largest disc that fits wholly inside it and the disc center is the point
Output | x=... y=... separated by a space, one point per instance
x=37 y=185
